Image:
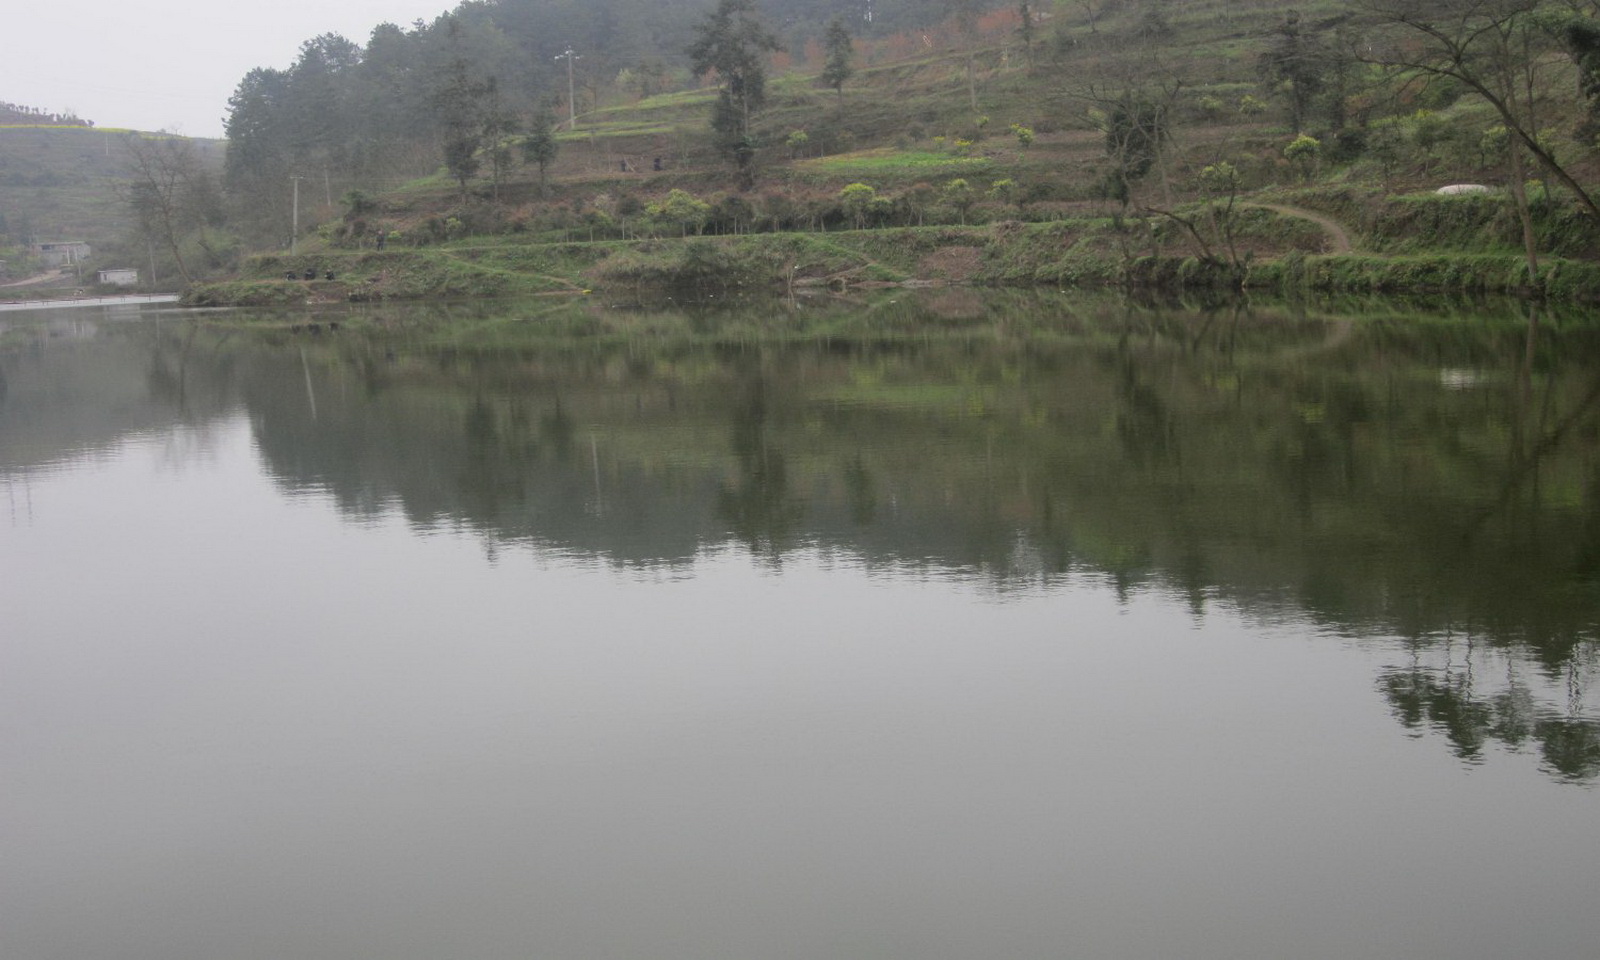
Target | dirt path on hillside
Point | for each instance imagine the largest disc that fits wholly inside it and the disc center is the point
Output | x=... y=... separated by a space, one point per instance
x=37 y=279
x=1338 y=238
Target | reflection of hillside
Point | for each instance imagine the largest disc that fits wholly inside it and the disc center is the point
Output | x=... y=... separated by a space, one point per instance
x=72 y=386
x=1398 y=476
x=1415 y=478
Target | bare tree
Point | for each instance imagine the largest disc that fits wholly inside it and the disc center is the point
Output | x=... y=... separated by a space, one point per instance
x=1092 y=9
x=1495 y=49
x=170 y=191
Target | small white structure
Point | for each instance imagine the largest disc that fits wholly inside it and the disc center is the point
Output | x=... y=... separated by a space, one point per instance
x=1456 y=189
x=118 y=277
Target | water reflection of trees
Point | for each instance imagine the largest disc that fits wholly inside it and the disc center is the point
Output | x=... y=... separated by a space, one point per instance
x=1292 y=409
x=1377 y=472
x=1402 y=475
x=1477 y=696
x=756 y=502
x=73 y=386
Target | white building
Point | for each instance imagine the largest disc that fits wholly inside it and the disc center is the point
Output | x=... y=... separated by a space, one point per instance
x=118 y=277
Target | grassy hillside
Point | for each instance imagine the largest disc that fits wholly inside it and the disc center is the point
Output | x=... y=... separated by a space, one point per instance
x=948 y=129
x=1026 y=130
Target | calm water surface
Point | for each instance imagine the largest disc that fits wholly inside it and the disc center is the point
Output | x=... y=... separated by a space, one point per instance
x=942 y=626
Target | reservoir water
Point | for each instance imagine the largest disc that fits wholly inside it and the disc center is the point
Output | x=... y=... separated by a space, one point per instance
x=935 y=624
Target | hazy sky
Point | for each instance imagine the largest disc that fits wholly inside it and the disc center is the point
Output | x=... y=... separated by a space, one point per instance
x=169 y=64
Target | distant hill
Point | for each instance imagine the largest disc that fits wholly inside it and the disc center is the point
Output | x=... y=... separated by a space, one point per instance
x=62 y=181
x=11 y=113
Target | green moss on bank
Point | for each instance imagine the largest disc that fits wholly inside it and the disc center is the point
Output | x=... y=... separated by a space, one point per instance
x=1154 y=255
x=1561 y=279
x=394 y=275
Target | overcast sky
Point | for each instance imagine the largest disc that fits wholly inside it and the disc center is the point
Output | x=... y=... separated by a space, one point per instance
x=168 y=64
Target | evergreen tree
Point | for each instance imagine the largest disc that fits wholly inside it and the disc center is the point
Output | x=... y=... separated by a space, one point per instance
x=497 y=126
x=1295 y=66
x=257 y=168
x=838 y=52
x=1580 y=35
x=460 y=103
x=317 y=101
x=460 y=133
x=393 y=126
x=540 y=145
x=731 y=43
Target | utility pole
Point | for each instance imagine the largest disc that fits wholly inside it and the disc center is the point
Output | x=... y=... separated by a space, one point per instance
x=570 y=55
x=294 y=230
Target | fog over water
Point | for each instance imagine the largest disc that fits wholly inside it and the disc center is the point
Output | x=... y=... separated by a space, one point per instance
x=958 y=625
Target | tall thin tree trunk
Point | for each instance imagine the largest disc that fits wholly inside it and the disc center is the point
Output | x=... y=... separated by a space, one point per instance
x=1519 y=195
x=1516 y=167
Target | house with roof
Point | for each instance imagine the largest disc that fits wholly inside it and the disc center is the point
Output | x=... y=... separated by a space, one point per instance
x=62 y=253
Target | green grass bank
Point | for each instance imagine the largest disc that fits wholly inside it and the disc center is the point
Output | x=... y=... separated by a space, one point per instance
x=1264 y=250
